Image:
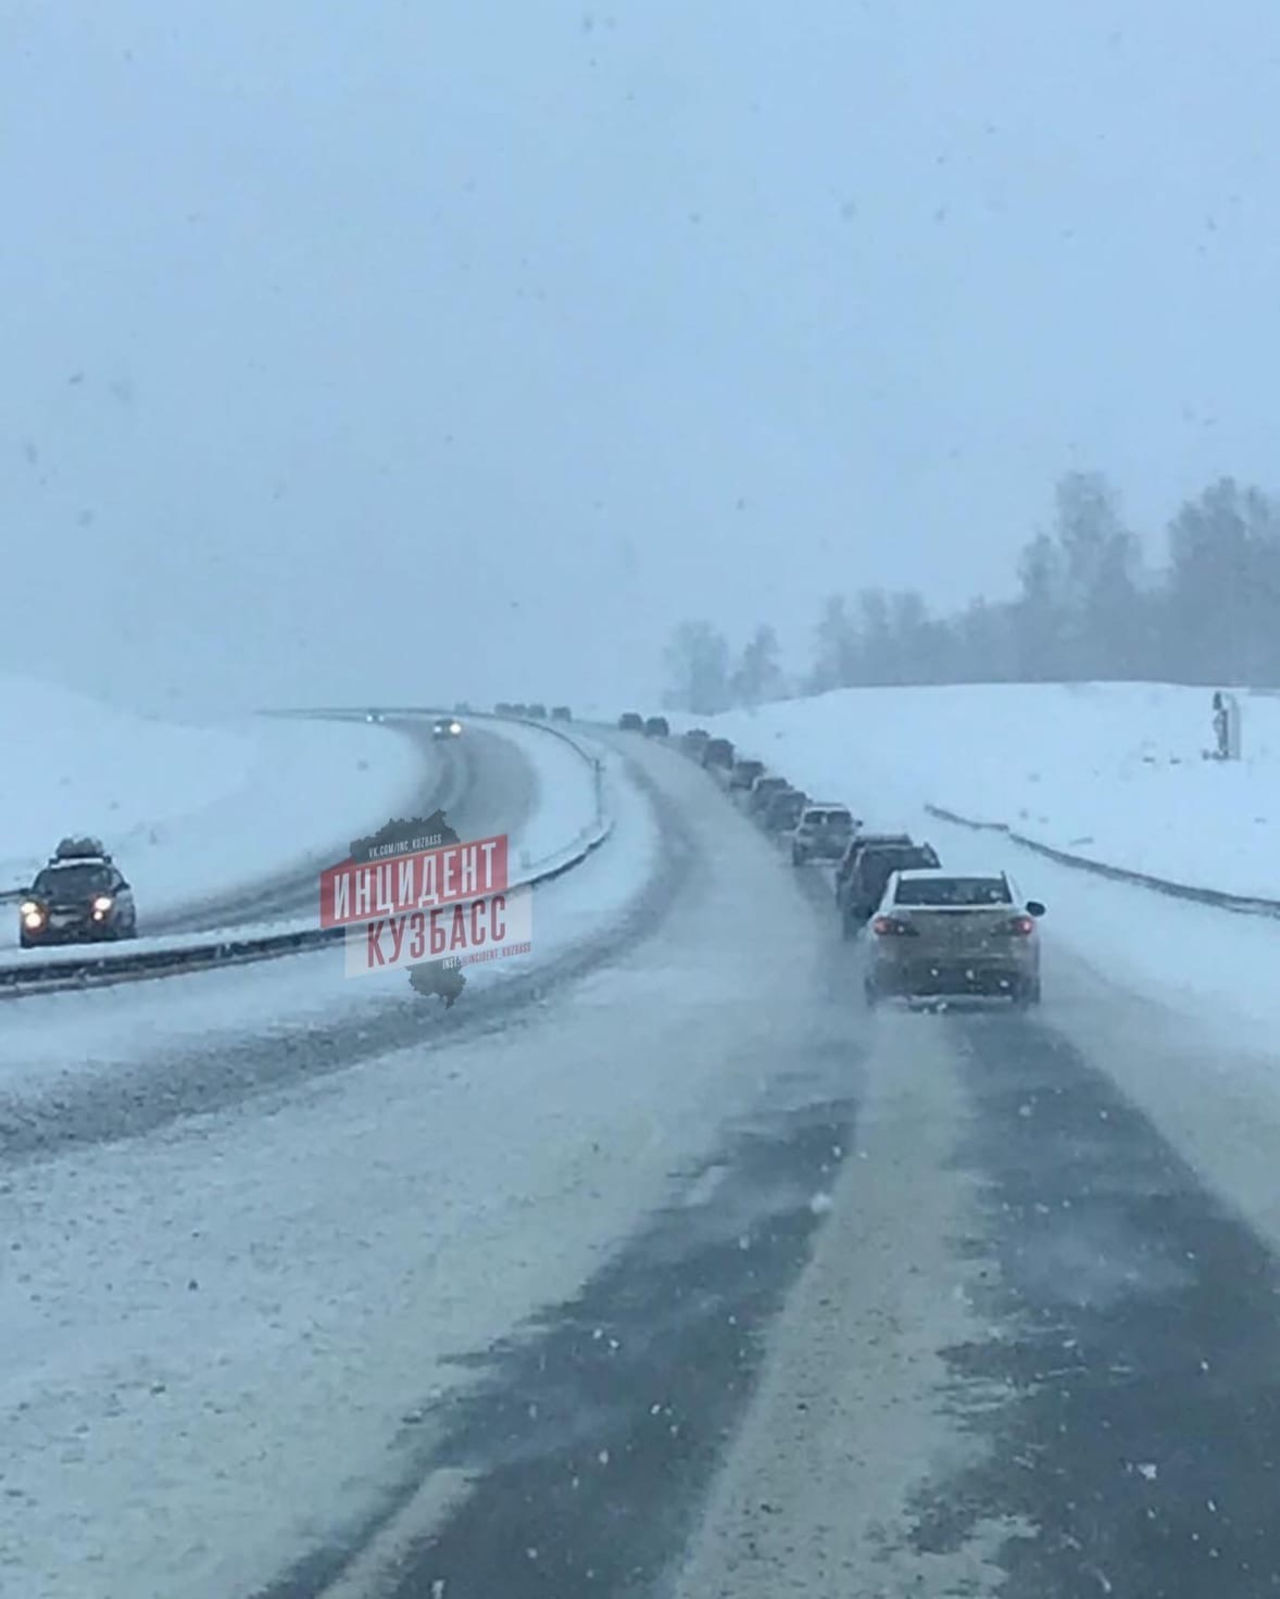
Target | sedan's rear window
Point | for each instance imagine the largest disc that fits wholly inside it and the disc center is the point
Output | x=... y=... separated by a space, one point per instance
x=829 y=818
x=963 y=891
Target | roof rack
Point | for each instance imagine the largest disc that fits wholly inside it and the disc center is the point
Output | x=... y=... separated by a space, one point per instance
x=80 y=849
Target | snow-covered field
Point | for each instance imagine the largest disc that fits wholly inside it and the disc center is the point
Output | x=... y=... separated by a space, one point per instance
x=190 y=812
x=1113 y=772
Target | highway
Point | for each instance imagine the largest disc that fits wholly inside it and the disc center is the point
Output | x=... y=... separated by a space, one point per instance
x=675 y=1272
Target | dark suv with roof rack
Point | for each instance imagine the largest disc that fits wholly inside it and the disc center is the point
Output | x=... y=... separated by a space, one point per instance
x=81 y=896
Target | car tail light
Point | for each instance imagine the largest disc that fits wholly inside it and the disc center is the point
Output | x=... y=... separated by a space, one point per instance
x=892 y=927
x=1022 y=925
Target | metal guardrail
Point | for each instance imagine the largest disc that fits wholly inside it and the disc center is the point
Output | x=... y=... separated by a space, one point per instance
x=196 y=952
x=1242 y=904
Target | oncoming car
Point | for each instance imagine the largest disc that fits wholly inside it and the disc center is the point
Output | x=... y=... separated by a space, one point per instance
x=446 y=727
x=81 y=896
x=939 y=934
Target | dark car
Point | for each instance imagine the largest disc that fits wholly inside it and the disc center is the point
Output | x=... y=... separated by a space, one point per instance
x=784 y=810
x=538 y=711
x=503 y=708
x=519 y=709
x=631 y=722
x=561 y=713
x=872 y=870
x=744 y=774
x=717 y=752
x=79 y=897
x=859 y=842
x=657 y=727
x=762 y=791
x=695 y=741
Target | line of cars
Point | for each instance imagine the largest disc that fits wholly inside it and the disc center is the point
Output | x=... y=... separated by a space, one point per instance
x=535 y=712
x=650 y=726
x=928 y=933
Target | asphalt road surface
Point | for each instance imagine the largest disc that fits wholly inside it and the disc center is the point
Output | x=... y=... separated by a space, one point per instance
x=689 y=1277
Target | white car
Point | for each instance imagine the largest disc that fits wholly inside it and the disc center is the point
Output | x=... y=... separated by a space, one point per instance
x=939 y=934
x=823 y=834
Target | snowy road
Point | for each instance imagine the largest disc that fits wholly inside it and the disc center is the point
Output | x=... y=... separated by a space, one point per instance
x=679 y=1273
x=479 y=780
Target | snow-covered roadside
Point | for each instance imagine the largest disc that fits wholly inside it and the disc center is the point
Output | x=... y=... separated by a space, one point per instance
x=192 y=812
x=564 y=813
x=1113 y=772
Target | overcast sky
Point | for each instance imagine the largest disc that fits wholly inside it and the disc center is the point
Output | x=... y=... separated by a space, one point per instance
x=439 y=348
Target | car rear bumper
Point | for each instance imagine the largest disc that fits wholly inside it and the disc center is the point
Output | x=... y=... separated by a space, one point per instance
x=978 y=978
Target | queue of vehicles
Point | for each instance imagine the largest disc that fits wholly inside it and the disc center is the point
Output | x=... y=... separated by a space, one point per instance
x=927 y=933
x=535 y=712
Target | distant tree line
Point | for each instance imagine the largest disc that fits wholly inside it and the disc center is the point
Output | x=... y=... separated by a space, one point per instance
x=703 y=677
x=1086 y=608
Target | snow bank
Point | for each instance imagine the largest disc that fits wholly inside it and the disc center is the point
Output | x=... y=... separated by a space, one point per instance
x=567 y=806
x=190 y=812
x=1112 y=772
